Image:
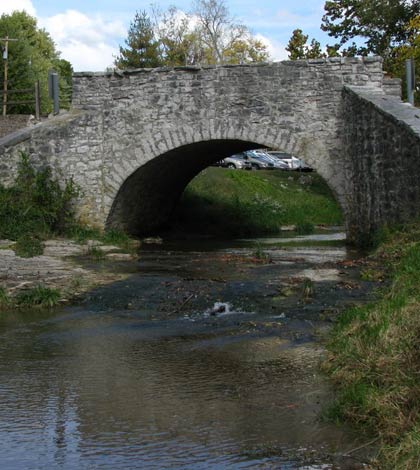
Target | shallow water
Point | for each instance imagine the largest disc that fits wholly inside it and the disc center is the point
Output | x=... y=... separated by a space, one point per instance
x=203 y=358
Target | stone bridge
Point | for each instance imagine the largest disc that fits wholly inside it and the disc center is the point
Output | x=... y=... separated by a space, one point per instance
x=133 y=140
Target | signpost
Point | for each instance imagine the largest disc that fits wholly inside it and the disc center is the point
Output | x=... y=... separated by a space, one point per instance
x=5 y=51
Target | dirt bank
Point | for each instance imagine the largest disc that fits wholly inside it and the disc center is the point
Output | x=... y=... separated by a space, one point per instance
x=59 y=267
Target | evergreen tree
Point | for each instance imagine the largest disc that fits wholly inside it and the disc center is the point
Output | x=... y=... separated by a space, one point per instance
x=142 y=49
x=298 y=47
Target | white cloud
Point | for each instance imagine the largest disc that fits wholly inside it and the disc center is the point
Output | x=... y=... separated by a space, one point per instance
x=85 y=57
x=87 y=42
x=276 y=50
x=287 y=19
x=17 y=5
x=73 y=24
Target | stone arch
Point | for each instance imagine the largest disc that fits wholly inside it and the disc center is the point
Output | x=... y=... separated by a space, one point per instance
x=144 y=193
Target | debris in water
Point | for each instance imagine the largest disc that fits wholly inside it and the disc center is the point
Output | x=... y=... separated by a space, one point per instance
x=218 y=307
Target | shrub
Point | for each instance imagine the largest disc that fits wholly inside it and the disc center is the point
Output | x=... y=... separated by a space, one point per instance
x=36 y=205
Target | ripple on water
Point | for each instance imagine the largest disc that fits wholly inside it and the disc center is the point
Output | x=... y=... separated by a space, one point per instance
x=107 y=388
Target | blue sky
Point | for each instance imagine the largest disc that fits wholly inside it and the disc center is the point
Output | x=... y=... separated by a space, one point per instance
x=88 y=32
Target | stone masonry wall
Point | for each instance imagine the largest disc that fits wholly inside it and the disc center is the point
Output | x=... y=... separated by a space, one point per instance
x=121 y=123
x=382 y=142
x=12 y=123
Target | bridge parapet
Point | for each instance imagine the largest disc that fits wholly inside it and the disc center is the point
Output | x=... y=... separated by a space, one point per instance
x=95 y=90
x=382 y=142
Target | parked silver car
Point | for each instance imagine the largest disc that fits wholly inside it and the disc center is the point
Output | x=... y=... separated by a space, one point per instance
x=258 y=160
x=292 y=162
x=235 y=162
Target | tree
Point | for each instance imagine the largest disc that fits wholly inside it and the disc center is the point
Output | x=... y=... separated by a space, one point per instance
x=209 y=35
x=298 y=47
x=222 y=39
x=30 y=58
x=176 y=38
x=409 y=50
x=382 y=23
x=245 y=51
x=142 y=49
x=297 y=44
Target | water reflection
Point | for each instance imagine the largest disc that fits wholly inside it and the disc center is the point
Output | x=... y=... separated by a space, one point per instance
x=109 y=388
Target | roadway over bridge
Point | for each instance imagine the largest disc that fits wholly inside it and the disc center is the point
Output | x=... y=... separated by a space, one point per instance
x=133 y=140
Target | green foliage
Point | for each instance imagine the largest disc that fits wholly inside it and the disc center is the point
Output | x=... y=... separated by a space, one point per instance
x=110 y=237
x=142 y=49
x=39 y=296
x=82 y=234
x=305 y=228
x=408 y=50
x=260 y=254
x=30 y=59
x=297 y=44
x=381 y=23
x=298 y=47
x=95 y=252
x=173 y=38
x=222 y=39
x=117 y=237
x=236 y=203
x=4 y=298
x=374 y=357
x=35 y=206
x=28 y=246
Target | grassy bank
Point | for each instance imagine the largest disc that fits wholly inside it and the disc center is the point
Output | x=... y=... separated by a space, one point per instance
x=374 y=357
x=232 y=202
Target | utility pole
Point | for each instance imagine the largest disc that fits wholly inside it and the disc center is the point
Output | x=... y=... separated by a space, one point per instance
x=5 y=51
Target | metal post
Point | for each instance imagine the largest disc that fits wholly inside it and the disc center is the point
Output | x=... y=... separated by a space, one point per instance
x=411 y=80
x=37 y=101
x=53 y=90
x=56 y=94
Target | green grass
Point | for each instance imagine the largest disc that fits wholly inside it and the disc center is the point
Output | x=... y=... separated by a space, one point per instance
x=374 y=357
x=96 y=253
x=109 y=237
x=27 y=246
x=231 y=203
x=4 y=298
x=38 y=296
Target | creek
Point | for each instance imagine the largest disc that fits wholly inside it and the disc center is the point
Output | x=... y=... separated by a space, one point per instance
x=205 y=357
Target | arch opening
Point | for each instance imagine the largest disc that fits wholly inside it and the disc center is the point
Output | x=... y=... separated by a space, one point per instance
x=147 y=199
